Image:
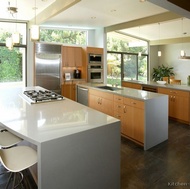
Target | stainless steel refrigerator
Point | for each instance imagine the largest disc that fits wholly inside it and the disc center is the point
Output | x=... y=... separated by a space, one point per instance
x=48 y=66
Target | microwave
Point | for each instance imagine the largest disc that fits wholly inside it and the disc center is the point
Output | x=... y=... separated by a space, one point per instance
x=95 y=75
x=95 y=59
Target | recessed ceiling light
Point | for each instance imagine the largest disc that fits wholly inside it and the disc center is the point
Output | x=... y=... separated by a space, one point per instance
x=142 y=0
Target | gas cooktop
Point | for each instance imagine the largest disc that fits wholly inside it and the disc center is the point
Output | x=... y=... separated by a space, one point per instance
x=39 y=96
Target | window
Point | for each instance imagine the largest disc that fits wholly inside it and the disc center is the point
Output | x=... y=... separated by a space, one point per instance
x=12 y=62
x=127 y=58
x=72 y=37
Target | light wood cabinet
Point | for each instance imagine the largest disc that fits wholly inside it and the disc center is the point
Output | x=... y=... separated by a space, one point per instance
x=94 y=50
x=101 y=101
x=131 y=114
x=134 y=119
x=131 y=85
x=69 y=91
x=71 y=56
x=141 y=122
x=178 y=103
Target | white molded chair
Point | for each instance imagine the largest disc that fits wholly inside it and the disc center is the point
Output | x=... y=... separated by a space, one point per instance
x=7 y=139
x=17 y=159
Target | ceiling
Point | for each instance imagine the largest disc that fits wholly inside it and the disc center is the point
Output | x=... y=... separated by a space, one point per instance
x=126 y=16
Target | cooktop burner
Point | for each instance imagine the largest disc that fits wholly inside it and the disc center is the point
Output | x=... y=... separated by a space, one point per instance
x=37 y=96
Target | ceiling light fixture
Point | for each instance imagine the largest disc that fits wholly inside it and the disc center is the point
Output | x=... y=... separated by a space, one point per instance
x=11 y=10
x=16 y=34
x=159 y=51
x=35 y=30
x=140 y=53
x=182 y=53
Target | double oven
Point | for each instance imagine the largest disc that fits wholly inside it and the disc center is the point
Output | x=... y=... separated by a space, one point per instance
x=95 y=68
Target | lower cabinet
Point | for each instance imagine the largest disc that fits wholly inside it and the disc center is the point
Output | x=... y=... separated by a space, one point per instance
x=131 y=114
x=101 y=101
x=131 y=85
x=179 y=103
x=69 y=91
x=143 y=121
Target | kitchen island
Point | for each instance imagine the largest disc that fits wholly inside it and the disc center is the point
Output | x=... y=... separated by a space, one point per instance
x=178 y=97
x=143 y=115
x=77 y=147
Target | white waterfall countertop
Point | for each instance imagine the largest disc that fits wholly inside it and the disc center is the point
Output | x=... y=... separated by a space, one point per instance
x=73 y=142
x=125 y=91
x=49 y=120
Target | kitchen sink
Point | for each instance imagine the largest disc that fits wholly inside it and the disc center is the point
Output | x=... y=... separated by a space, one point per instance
x=105 y=87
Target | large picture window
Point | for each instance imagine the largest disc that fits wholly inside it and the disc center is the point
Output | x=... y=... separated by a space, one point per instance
x=13 y=61
x=127 y=58
x=63 y=36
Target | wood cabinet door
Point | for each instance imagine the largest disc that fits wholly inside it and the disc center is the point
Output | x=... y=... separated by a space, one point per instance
x=65 y=60
x=69 y=91
x=78 y=56
x=71 y=56
x=138 y=124
x=94 y=102
x=107 y=106
x=128 y=117
x=179 y=107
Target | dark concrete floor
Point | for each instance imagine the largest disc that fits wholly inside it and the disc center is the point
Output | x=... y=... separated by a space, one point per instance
x=165 y=166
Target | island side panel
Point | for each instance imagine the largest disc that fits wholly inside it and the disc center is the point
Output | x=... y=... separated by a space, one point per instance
x=156 y=121
x=90 y=159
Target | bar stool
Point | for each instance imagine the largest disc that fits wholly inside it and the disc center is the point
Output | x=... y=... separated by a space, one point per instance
x=7 y=139
x=17 y=159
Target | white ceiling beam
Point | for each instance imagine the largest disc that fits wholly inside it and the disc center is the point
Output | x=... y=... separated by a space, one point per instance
x=55 y=8
x=167 y=16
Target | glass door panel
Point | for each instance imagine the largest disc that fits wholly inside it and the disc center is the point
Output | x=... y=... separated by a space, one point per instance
x=130 y=67
x=114 y=69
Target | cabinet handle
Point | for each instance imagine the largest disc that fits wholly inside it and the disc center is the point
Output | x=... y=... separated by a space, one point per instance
x=119 y=106
x=124 y=109
x=98 y=100
x=133 y=102
x=101 y=101
x=171 y=98
x=118 y=116
x=174 y=99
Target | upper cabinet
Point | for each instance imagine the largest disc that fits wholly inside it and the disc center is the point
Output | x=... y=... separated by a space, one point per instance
x=94 y=50
x=72 y=56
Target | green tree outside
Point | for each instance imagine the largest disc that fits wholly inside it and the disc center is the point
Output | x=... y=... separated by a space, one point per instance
x=10 y=65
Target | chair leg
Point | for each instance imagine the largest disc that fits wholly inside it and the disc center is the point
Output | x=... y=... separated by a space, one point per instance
x=20 y=180
x=16 y=181
x=9 y=180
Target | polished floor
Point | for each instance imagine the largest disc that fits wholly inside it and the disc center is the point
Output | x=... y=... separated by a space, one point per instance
x=165 y=166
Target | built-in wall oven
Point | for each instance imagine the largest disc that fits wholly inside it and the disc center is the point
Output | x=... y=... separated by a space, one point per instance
x=95 y=68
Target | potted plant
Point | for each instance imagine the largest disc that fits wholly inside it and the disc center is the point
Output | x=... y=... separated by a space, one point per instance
x=162 y=71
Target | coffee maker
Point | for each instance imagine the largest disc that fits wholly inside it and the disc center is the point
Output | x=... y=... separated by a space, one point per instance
x=77 y=74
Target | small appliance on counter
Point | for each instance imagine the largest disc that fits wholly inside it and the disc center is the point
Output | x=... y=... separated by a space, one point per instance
x=77 y=74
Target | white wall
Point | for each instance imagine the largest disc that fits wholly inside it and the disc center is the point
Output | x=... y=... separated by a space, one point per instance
x=96 y=38
x=170 y=57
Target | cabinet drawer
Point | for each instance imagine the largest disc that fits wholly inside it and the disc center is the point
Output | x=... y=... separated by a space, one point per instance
x=118 y=107
x=118 y=115
x=99 y=93
x=179 y=93
x=118 y=99
x=173 y=92
x=134 y=103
